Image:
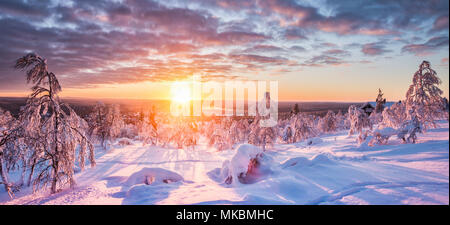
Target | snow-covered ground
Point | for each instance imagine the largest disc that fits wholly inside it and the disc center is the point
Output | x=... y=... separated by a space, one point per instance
x=332 y=170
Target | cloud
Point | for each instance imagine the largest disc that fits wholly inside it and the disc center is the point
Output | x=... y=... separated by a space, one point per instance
x=374 y=49
x=322 y=60
x=441 y=23
x=101 y=42
x=337 y=52
x=427 y=48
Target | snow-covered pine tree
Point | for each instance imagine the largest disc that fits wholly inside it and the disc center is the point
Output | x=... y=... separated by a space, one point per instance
x=424 y=96
x=295 y=110
x=380 y=102
x=52 y=125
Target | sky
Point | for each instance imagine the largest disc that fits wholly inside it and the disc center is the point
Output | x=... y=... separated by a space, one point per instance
x=321 y=50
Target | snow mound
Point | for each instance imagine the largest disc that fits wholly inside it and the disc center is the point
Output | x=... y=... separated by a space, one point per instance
x=248 y=165
x=322 y=158
x=151 y=176
x=301 y=161
x=319 y=159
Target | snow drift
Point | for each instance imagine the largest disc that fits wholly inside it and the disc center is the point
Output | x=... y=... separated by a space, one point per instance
x=318 y=159
x=151 y=176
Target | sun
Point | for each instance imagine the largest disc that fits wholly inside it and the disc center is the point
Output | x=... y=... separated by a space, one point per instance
x=181 y=92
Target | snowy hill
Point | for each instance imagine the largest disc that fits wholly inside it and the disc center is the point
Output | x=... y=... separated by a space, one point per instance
x=330 y=171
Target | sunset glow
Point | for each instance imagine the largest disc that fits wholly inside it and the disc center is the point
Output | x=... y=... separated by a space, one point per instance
x=181 y=92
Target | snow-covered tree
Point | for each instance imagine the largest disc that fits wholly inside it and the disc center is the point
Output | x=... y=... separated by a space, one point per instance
x=424 y=96
x=342 y=122
x=218 y=135
x=394 y=116
x=9 y=148
x=52 y=127
x=328 y=123
x=410 y=128
x=184 y=133
x=105 y=123
x=303 y=127
x=380 y=102
x=295 y=110
x=148 y=127
x=288 y=134
x=97 y=123
x=358 y=120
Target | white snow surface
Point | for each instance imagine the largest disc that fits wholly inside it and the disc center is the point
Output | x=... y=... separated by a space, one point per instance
x=330 y=171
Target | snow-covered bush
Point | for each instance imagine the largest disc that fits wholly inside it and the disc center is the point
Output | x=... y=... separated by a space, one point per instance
x=247 y=165
x=379 y=136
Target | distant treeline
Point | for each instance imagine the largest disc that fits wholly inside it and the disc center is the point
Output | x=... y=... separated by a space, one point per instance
x=84 y=106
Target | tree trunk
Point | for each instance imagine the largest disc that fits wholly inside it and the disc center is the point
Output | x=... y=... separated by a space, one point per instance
x=55 y=160
x=30 y=176
x=55 y=177
x=5 y=178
